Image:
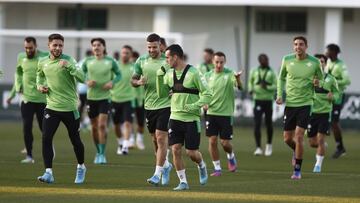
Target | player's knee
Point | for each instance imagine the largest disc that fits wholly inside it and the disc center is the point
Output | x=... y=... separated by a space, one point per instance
x=313 y=143
x=213 y=141
x=288 y=139
x=102 y=126
x=224 y=143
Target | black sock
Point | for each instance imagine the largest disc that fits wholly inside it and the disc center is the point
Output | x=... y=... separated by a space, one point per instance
x=297 y=166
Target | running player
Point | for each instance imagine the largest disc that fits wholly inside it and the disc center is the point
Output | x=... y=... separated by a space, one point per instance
x=99 y=70
x=207 y=65
x=299 y=74
x=122 y=96
x=220 y=111
x=56 y=77
x=337 y=68
x=319 y=124
x=157 y=110
x=188 y=94
x=33 y=102
x=262 y=87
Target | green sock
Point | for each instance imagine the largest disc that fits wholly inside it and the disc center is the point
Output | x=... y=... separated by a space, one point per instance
x=102 y=148
x=97 y=148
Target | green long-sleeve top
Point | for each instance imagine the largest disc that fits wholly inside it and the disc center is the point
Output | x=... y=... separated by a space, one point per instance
x=321 y=102
x=338 y=69
x=264 y=75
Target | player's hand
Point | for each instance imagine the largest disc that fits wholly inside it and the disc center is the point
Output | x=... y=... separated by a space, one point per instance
x=63 y=63
x=316 y=82
x=330 y=96
x=238 y=74
x=279 y=101
x=91 y=83
x=206 y=107
x=108 y=85
x=8 y=100
x=141 y=81
x=43 y=89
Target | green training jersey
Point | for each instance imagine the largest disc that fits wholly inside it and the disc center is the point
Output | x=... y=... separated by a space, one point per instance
x=25 y=77
x=102 y=71
x=204 y=68
x=297 y=76
x=222 y=86
x=262 y=83
x=147 y=67
x=61 y=81
x=184 y=106
x=139 y=96
x=339 y=71
x=123 y=90
x=321 y=101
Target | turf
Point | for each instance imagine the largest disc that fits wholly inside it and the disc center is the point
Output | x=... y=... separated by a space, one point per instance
x=259 y=179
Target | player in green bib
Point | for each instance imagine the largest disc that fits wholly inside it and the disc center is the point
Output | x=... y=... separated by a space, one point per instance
x=207 y=64
x=189 y=92
x=337 y=68
x=299 y=74
x=56 y=77
x=220 y=111
x=319 y=124
x=99 y=70
x=262 y=87
x=157 y=110
x=33 y=102
x=122 y=97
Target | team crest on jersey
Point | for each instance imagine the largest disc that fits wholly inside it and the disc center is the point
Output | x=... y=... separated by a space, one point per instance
x=292 y=63
x=226 y=77
x=309 y=64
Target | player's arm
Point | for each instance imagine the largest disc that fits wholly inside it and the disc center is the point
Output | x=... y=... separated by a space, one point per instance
x=136 y=79
x=335 y=93
x=273 y=81
x=12 y=94
x=281 y=82
x=71 y=66
x=205 y=93
x=162 y=87
x=41 y=79
x=251 y=82
x=116 y=71
x=345 y=78
x=18 y=76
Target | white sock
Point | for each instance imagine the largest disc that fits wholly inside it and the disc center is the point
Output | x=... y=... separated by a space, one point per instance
x=132 y=136
x=49 y=170
x=201 y=164
x=120 y=141
x=126 y=143
x=139 y=136
x=167 y=154
x=158 y=170
x=82 y=166
x=319 y=160
x=230 y=155
x=166 y=163
x=182 y=176
x=217 y=165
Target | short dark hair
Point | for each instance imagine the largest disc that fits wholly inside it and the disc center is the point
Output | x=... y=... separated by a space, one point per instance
x=334 y=47
x=301 y=38
x=30 y=39
x=55 y=36
x=99 y=39
x=153 y=38
x=88 y=52
x=209 y=51
x=319 y=56
x=128 y=47
x=220 y=54
x=135 y=54
x=262 y=55
x=175 y=49
x=162 y=41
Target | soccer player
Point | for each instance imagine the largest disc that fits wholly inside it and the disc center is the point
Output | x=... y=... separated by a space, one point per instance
x=56 y=77
x=99 y=70
x=207 y=65
x=337 y=68
x=157 y=110
x=122 y=96
x=163 y=45
x=220 y=111
x=188 y=94
x=299 y=74
x=262 y=87
x=33 y=102
x=319 y=124
x=139 y=112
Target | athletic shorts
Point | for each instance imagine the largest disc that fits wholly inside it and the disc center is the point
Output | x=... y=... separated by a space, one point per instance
x=121 y=112
x=140 y=115
x=94 y=108
x=219 y=126
x=319 y=123
x=296 y=116
x=185 y=133
x=157 y=119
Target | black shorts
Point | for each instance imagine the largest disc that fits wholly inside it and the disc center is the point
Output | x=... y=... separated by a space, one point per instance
x=121 y=112
x=319 y=123
x=94 y=108
x=187 y=133
x=219 y=126
x=335 y=115
x=140 y=115
x=296 y=116
x=157 y=119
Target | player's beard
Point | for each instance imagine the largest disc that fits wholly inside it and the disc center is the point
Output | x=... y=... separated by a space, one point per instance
x=154 y=54
x=56 y=53
x=30 y=55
